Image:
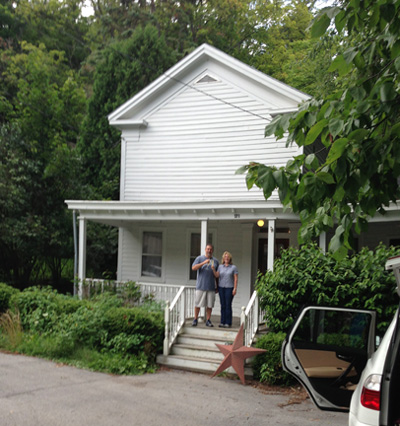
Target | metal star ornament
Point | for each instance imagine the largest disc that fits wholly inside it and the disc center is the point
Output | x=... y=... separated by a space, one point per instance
x=235 y=355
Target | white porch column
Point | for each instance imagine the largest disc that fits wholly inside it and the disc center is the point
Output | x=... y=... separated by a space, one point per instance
x=82 y=253
x=322 y=241
x=204 y=235
x=271 y=244
x=203 y=243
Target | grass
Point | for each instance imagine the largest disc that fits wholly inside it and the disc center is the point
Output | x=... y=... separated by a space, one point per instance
x=11 y=329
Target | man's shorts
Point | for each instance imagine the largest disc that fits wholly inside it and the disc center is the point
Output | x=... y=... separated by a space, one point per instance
x=204 y=299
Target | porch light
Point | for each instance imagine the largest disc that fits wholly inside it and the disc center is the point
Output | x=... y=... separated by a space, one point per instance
x=260 y=223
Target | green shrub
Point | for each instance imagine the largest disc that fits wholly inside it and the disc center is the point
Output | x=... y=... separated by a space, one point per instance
x=307 y=276
x=267 y=367
x=41 y=308
x=137 y=321
x=61 y=324
x=6 y=292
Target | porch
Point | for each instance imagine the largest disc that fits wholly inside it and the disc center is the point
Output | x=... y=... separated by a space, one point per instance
x=184 y=346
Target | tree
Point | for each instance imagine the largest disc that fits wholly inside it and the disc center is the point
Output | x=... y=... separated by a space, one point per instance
x=58 y=25
x=43 y=105
x=357 y=125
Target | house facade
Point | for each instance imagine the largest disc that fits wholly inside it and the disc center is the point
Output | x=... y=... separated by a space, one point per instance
x=183 y=137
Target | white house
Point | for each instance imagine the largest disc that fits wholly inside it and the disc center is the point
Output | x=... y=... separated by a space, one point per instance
x=183 y=138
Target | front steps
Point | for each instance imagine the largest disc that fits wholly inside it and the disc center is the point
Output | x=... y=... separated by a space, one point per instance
x=195 y=349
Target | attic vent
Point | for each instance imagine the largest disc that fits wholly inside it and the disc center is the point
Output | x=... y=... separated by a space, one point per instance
x=207 y=79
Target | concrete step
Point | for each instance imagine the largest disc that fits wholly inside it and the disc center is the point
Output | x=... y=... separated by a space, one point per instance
x=193 y=351
x=199 y=365
x=201 y=341
x=226 y=334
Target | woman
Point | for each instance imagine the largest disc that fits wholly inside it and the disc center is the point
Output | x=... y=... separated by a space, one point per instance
x=227 y=287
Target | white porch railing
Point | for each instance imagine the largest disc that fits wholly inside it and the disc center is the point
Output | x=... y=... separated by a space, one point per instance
x=182 y=307
x=159 y=292
x=251 y=317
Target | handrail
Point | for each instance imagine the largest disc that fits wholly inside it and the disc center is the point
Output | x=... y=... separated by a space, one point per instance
x=176 y=314
x=251 y=317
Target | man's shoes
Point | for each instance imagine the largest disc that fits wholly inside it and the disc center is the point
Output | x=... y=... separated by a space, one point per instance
x=194 y=323
x=227 y=326
x=221 y=325
x=209 y=323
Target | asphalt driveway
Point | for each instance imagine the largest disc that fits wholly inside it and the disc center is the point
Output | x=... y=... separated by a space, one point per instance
x=36 y=392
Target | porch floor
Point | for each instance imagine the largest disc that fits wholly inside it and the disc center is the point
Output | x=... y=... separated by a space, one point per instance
x=215 y=320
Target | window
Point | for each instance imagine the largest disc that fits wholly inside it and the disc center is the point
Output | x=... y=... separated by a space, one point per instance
x=195 y=250
x=152 y=254
x=394 y=242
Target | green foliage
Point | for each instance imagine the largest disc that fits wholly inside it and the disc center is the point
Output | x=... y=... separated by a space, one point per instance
x=10 y=329
x=267 y=367
x=6 y=292
x=117 y=363
x=61 y=327
x=38 y=169
x=357 y=125
x=306 y=276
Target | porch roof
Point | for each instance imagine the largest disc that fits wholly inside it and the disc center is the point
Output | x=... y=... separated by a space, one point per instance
x=116 y=212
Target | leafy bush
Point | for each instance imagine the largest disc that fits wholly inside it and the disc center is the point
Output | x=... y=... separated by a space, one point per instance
x=6 y=292
x=267 y=367
x=307 y=276
x=61 y=327
x=41 y=308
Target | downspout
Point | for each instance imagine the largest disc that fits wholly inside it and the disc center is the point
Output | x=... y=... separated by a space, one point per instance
x=75 y=251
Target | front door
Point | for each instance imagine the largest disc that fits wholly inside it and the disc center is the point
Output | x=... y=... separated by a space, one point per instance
x=280 y=244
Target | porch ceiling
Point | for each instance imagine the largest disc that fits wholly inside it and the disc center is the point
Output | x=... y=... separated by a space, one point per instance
x=116 y=212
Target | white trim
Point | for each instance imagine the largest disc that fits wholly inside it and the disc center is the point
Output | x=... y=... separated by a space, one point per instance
x=204 y=234
x=123 y=169
x=119 y=252
x=82 y=252
x=176 y=73
x=116 y=212
x=271 y=247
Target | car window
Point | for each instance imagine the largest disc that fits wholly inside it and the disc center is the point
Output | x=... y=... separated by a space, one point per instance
x=327 y=350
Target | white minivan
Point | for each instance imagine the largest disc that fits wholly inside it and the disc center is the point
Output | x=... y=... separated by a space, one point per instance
x=331 y=351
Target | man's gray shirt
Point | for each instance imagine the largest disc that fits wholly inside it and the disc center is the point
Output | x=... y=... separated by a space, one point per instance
x=205 y=276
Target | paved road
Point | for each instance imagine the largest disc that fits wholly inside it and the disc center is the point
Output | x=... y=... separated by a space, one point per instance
x=35 y=392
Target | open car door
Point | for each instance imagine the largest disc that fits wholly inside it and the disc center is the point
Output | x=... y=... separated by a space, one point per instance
x=326 y=350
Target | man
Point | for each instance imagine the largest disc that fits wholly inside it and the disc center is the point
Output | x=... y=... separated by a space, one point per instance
x=206 y=284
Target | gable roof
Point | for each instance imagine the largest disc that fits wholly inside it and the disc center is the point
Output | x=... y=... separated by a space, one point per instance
x=202 y=66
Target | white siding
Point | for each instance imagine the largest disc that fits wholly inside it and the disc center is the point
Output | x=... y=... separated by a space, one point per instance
x=193 y=145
